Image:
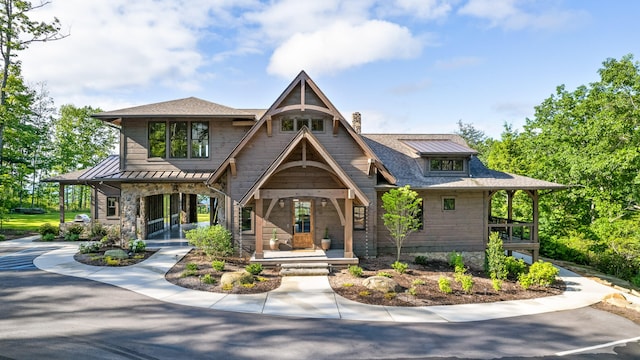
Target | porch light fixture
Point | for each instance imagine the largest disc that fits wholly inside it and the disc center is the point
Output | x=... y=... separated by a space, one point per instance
x=323 y=202
x=281 y=203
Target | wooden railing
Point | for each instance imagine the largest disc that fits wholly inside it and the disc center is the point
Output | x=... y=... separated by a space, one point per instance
x=512 y=231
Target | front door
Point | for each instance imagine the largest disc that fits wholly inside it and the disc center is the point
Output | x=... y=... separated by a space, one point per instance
x=302 y=224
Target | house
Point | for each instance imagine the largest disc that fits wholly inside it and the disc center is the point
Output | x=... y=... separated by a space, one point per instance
x=297 y=169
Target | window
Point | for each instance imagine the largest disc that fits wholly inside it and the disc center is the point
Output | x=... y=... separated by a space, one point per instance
x=247 y=219
x=178 y=139
x=295 y=124
x=420 y=215
x=447 y=165
x=199 y=140
x=157 y=139
x=185 y=139
x=448 y=204
x=112 y=206
x=359 y=217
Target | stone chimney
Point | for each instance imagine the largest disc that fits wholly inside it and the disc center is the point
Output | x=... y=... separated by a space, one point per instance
x=356 y=122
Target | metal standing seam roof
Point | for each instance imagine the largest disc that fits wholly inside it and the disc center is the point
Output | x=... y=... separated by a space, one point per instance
x=438 y=147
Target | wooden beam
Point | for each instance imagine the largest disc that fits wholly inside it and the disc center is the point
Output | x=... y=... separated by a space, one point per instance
x=284 y=193
x=302 y=91
x=348 y=228
x=372 y=165
x=299 y=107
x=351 y=194
x=340 y=214
x=258 y=230
x=269 y=126
x=232 y=164
x=336 y=125
x=272 y=203
x=304 y=154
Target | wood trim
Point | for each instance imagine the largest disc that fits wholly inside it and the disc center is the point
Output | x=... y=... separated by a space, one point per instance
x=336 y=125
x=269 y=126
x=232 y=163
x=306 y=193
x=301 y=108
x=340 y=214
x=272 y=204
x=348 y=228
x=258 y=228
x=315 y=164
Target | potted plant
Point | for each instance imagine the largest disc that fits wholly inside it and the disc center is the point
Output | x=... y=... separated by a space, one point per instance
x=326 y=240
x=273 y=242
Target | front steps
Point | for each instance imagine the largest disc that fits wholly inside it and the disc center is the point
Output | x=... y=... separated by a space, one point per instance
x=305 y=269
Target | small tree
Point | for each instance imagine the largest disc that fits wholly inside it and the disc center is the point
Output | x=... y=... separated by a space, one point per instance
x=402 y=208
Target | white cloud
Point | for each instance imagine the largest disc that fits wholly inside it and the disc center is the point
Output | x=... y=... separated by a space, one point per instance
x=518 y=14
x=423 y=9
x=341 y=46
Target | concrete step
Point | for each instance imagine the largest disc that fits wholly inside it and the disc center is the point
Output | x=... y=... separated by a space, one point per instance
x=304 y=271
x=307 y=265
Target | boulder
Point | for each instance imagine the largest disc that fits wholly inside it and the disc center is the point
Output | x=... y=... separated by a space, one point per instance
x=616 y=299
x=236 y=278
x=116 y=254
x=381 y=283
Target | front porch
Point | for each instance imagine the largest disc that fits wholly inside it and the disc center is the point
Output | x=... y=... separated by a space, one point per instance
x=331 y=257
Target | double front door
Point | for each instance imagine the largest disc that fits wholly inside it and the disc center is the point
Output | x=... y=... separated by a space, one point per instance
x=302 y=224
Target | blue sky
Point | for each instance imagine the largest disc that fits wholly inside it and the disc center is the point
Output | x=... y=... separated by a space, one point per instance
x=409 y=66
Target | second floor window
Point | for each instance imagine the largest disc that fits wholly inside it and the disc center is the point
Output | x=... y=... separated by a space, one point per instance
x=179 y=139
x=447 y=165
x=295 y=124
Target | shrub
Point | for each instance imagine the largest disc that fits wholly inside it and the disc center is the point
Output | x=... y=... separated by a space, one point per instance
x=540 y=273
x=347 y=285
x=466 y=281
x=73 y=232
x=89 y=247
x=227 y=287
x=400 y=267
x=46 y=237
x=456 y=260
x=218 y=265
x=364 y=293
x=97 y=231
x=420 y=260
x=444 y=284
x=137 y=246
x=214 y=241
x=111 y=261
x=47 y=228
x=2 y=237
x=413 y=291
x=355 y=271
x=636 y=280
x=191 y=266
x=496 y=284
x=495 y=261
x=248 y=285
x=384 y=273
x=390 y=295
x=418 y=282
x=254 y=269
x=514 y=267
x=208 y=279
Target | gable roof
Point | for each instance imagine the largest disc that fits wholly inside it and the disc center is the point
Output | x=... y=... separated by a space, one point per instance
x=187 y=107
x=304 y=80
x=302 y=135
x=407 y=166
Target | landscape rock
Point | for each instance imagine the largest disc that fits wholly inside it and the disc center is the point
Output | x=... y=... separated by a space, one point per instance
x=616 y=299
x=236 y=278
x=116 y=254
x=381 y=283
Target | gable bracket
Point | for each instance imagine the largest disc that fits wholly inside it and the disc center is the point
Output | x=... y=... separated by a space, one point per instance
x=232 y=164
x=336 y=124
x=372 y=166
x=269 y=126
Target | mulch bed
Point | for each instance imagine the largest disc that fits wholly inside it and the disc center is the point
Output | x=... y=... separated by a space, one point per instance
x=429 y=294
x=268 y=280
x=98 y=258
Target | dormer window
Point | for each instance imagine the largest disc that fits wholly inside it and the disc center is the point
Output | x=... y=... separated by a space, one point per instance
x=442 y=157
x=446 y=164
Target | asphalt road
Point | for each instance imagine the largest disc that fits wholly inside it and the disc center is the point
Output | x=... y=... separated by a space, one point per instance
x=49 y=316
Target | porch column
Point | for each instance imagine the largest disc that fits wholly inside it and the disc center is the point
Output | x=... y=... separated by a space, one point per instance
x=510 y=194
x=258 y=225
x=348 y=228
x=534 y=231
x=141 y=225
x=61 y=201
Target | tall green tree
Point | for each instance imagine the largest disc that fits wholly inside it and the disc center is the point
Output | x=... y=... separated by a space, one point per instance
x=80 y=142
x=402 y=208
x=475 y=138
x=17 y=32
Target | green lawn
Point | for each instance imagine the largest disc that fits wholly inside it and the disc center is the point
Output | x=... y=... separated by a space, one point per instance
x=28 y=223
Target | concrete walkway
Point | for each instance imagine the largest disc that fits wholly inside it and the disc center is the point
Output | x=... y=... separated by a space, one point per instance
x=308 y=296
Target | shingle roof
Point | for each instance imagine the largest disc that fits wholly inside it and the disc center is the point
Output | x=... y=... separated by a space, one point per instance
x=406 y=165
x=188 y=107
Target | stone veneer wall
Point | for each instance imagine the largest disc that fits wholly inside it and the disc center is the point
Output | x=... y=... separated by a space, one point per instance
x=132 y=193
